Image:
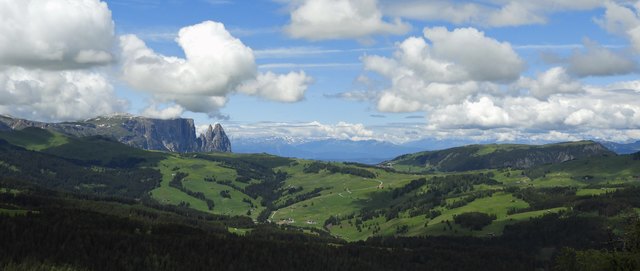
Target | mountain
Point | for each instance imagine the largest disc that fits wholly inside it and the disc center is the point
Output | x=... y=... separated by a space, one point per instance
x=474 y=157
x=214 y=139
x=363 y=151
x=623 y=148
x=174 y=135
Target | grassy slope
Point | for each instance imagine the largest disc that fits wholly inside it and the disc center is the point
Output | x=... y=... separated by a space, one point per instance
x=198 y=169
x=95 y=150
x=34 y=138
x=472 y=156
x=619 y=169
x=342 y=194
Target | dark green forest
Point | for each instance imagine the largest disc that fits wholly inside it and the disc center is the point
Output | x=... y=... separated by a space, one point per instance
x=59 y=212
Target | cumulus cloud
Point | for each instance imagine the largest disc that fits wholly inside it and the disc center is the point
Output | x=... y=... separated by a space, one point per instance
x=493 y=13
x=46 y=50
x=461 y=96
x=444 y=72
x=448 y=58
x=453 y=47
x=340 y=19
x=482 y=113
x=56 y=95
x=55 y=34
x=283 y=88
x=596 y=60
x=623 y=20
x=215 y=65
x=170 y=112
x=553 y=81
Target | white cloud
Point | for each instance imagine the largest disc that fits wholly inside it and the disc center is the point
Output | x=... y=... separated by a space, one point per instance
x=55 y=34
x=283 y=88
x=492 y=13
x=596 y=60
x=623 y=20
x=215 y=65
x=553 y=81
x=453 y=47
x=461 y=96
x=170 y=112
x=46 y=47
x=340 y=19
x=482 y=113
x=445 y=72
x=597 y=108
x=56 y=95
x=580 y=117
x=514 y=14
x=448 y=58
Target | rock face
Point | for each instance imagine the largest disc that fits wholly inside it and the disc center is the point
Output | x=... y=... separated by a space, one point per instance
x=214 y=139
x=175 y=135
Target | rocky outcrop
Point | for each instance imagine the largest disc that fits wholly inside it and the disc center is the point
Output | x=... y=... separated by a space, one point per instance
x=174 y=135
x=214 y=139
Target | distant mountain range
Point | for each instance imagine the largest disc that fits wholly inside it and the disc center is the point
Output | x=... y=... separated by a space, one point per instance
x=623 y=148
x=174 y=135
x=179 y=135
x=364 y=151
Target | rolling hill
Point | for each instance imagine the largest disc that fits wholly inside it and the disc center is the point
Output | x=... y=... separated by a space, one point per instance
x=475 y=157
x=493 y=194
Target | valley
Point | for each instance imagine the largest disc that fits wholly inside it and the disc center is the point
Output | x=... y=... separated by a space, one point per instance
x=408 y=197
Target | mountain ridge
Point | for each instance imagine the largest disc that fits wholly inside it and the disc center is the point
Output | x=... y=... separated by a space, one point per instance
x=474 y=157
x=174 y=135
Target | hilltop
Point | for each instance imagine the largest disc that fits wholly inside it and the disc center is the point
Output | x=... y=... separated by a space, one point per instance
x=491 y=156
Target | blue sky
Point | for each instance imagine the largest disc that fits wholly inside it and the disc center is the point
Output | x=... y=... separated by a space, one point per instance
x=489 y=70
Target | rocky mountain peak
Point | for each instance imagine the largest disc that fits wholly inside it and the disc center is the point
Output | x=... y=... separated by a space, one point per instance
x=214 y=139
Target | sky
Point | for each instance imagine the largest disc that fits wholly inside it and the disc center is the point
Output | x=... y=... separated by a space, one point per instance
x=399 y=71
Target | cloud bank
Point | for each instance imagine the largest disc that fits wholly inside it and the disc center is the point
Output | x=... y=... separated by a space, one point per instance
x=484 y=90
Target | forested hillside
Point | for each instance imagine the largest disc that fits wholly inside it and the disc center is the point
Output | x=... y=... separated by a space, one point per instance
x=116 y=207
